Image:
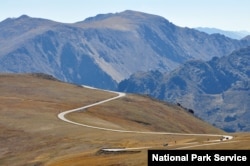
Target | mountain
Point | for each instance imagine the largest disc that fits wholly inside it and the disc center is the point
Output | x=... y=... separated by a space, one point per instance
x=217 y=90
x=103 y=50
x=231 y=34
x=43 y=46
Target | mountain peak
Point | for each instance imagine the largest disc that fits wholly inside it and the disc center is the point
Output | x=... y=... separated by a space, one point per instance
x=26 y=19
x=10 y=19
x=24 y=16
x=127 y=20
x=127 y=14
x=135 y=13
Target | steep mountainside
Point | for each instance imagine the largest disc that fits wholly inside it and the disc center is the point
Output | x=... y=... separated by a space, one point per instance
x=103 y=50
x=218 y=90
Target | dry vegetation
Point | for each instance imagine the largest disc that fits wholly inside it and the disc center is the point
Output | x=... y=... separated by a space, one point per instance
x=31 y=133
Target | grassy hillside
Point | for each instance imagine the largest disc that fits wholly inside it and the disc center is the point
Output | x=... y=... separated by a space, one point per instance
x=31 y=133
x=141 y=113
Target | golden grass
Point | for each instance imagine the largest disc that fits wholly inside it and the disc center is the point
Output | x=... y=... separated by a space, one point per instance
x=142 y=114
x=31 y=133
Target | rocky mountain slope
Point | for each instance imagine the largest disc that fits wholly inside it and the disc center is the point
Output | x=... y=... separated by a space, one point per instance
x=105 y=49
x=217 y=90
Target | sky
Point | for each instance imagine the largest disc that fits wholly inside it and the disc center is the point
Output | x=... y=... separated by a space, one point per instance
x=223 y=14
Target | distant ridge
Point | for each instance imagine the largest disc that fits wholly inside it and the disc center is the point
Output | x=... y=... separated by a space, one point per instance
x=232 y=34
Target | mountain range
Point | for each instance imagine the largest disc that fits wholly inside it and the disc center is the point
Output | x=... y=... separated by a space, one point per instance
x=218 y=91
x=103 y=50
x=139 y=53
x=232 y=34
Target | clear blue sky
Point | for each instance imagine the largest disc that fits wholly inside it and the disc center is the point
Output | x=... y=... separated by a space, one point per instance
x=223 y=14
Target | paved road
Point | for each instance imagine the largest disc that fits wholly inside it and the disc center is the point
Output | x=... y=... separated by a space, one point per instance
x=119 y=95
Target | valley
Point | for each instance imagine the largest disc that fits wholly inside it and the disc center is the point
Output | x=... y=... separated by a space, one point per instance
x=32 y=134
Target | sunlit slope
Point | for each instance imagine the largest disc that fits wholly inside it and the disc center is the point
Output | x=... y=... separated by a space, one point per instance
x=31 y=133
x=140 y=113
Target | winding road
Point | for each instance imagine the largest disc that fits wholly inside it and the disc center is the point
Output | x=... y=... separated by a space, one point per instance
x=225 y=138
